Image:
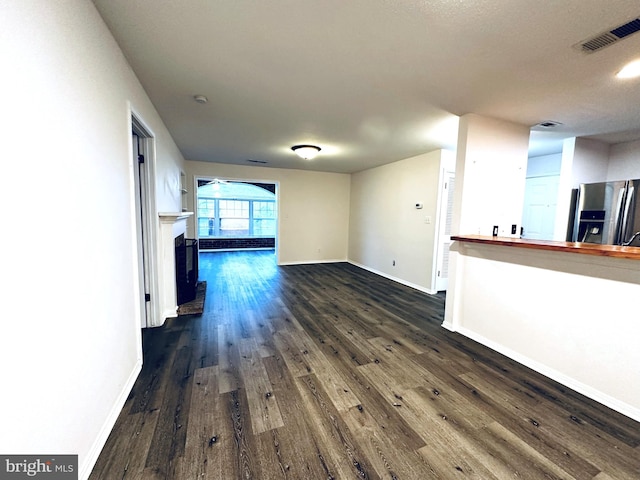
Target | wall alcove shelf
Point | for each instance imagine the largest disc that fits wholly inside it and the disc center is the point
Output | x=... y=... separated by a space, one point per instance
x=183 y=191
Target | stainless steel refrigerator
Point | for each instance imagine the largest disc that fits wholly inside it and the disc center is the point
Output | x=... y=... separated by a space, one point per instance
x=608 y=213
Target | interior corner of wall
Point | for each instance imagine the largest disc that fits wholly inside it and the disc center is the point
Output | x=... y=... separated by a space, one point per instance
x=448 y=159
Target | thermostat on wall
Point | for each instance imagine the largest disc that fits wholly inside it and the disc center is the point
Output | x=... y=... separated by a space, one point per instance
x=418 y=206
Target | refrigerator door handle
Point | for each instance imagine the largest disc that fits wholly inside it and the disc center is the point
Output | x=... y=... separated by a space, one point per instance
x=633 y=237
x=631 y=192
x=619 y=216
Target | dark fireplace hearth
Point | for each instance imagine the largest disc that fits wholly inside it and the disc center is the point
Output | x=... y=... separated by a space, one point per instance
x=186 y=268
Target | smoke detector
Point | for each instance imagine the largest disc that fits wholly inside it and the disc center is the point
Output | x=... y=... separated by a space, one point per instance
x=200 y=99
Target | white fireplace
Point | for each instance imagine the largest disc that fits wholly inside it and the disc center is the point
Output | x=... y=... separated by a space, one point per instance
x=172 y=225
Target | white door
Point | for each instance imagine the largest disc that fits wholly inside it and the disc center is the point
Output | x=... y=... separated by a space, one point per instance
x=140 y=176
x=444 y=237
x=539 y=211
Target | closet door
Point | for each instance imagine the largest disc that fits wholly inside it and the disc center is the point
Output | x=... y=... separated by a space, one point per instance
x=444 y=237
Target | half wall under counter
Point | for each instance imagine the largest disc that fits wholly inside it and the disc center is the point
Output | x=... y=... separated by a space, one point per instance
x=570 y=311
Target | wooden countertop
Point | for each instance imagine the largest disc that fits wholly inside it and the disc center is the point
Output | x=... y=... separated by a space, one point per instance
x=614 y=251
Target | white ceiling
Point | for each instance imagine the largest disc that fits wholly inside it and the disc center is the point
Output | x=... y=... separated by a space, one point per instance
x=373 y=81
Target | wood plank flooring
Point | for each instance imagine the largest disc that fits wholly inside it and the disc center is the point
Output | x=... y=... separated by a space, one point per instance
x=331 y=372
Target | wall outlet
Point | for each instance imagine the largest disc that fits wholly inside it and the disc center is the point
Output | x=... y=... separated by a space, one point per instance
x=514 y=228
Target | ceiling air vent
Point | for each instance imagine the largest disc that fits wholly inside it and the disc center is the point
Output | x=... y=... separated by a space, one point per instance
x=547 y=124
x=250 y=160
x=612 y=36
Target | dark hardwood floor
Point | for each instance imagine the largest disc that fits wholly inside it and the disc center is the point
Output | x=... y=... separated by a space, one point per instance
x=331 y=372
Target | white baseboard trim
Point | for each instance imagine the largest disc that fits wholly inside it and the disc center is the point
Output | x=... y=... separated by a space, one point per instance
x=586 y=390
x=92 y=457
x=372 y=270
x=311 y=262
x=448 y=326
x=394 y=279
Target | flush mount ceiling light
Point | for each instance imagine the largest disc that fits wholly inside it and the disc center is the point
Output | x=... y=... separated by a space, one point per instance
x=200 y=99
x=307 y=152
x=630 y=70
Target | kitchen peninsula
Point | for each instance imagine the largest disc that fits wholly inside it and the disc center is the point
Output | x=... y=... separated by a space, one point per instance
x=569 y=310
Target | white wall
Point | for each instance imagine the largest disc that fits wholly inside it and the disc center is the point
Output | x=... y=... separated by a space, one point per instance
x=590 y=161
x=544 y=165
x=491 y=165
x=624 y=161
x=70 y=339
x=313 y=208
x=490 y=175
x=385 y=225
x=565 y=190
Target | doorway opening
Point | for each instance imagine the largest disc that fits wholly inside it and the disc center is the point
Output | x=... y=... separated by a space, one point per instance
x=236 y=215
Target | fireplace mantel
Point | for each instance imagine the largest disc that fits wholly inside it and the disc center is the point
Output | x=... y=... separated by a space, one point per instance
x=174 y=216
x=172 y=225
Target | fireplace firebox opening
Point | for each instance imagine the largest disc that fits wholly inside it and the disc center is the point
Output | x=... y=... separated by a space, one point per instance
x=186 y=251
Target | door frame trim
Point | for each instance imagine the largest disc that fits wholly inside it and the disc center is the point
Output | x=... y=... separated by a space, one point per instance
x=150 y=223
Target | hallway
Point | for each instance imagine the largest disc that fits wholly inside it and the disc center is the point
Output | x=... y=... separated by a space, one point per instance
x=327 y=371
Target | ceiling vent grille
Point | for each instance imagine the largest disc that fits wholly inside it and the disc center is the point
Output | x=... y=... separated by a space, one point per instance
x=547 y=124
x=610 y=37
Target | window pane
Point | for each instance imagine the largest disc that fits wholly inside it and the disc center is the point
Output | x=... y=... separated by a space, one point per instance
x=206 y=217
x=234 y=227
x=234 y=209
x=234 y=218
x=264 y=227
x=206 y=227
x=206 y=207
x=264 y=210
